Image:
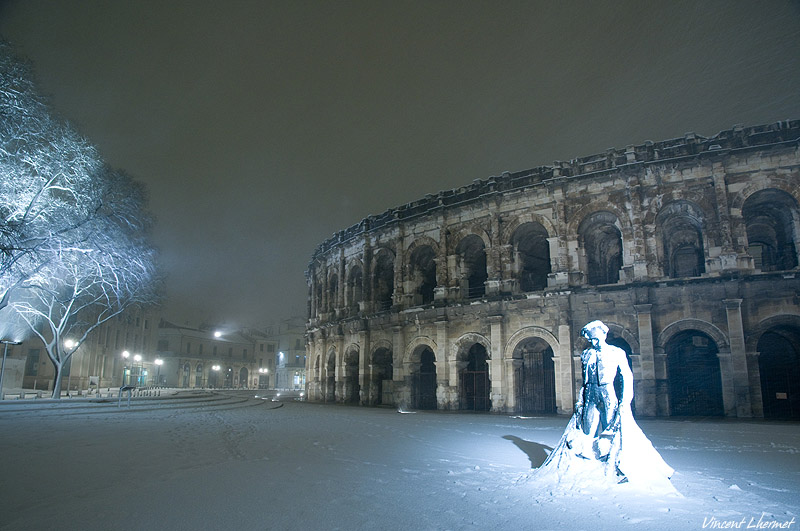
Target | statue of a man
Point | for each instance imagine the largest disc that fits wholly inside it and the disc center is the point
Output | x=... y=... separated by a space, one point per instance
x=598 y=402
x=602 y=442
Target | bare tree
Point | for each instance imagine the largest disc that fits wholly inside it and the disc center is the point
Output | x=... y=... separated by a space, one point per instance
x=91 y=279
x=47 y=175
x=74 y=235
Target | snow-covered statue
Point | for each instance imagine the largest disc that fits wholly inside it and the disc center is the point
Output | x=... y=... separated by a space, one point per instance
x=602 y=443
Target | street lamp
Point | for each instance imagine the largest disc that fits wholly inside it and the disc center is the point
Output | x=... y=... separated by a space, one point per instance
x=138 y=358
x=5 y=342
x=69 y=344
x=262 y=371
x=159 y=362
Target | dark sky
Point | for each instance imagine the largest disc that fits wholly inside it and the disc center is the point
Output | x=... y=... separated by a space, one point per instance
x=263 y=127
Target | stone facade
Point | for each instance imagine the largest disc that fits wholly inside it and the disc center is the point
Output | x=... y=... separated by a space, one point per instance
x=474 y=298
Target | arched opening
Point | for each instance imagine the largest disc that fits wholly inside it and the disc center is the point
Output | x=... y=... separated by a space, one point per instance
x=423 y=273
x=472 y=260
x=186 y=373
x=695 y=381
x=475 y=385
x=354 y=283
x=531 y=256
x=352 y=387
x=779 y=366
x=229 y=377
x=333 y=293
x=243 y=377
x=681 y=227
x=384 y=281
x=423 y=392
x=213 y=377
x=382 y=374
x=769 y=216
x=602 y=244
x=534 y=377
x=198 y=376
x=330 y=380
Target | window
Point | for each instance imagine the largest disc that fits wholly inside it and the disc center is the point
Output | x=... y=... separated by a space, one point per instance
x=163 y=345
x=188 y=347
x=32 y=363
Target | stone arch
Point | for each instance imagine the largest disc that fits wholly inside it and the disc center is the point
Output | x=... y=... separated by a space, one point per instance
x=771 y=221
x=329 y=384
x=600 y=239
x=422 y=371
x=462 y=344
x=781 y=320
x=534 y=375
x=474 y=229
x=787 y=185
x=513 y=223
x=680 y=228
x=473 y=353
x=694 y=374
x=382 y=373
x=383 y=278
x=421 y=272
x=527 y=333
x=351 y=365
x=411 y=354
x=333 y=290
x=580 y=216
x=530 y=256
x=778 y=349
x=682 y=325
x=354 y=285
x=472 y=265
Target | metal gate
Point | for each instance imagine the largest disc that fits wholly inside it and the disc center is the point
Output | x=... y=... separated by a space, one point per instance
x=536 y=383
x=424 y=390
x=475 y=386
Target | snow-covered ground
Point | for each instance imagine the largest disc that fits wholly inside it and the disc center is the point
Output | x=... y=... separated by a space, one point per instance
x=234 y=461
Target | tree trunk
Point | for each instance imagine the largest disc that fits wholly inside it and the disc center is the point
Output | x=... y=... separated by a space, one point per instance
x=57 y=381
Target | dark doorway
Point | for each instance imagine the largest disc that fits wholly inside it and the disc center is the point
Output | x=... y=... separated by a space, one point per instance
x=779 y=355
x=424 y=385
x=695 y=382
x=535 y=377
x=475 y=383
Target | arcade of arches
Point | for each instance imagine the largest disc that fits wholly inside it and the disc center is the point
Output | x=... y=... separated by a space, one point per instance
x=473 y=299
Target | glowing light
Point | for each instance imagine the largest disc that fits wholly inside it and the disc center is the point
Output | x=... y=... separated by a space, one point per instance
x=69 y=343
x=126 y=354
x=217 y=333
x=137 y=357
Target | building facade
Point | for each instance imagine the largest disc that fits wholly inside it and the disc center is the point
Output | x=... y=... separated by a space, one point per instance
x=474 y=298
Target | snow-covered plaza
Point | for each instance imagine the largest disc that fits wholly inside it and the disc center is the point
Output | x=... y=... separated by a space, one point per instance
x=235 y=460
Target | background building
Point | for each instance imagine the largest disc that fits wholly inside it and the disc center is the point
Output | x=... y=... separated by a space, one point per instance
x=474 y=298
x=137 y=348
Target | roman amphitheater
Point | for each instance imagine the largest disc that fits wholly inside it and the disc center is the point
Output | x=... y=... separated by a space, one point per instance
x=473 y=299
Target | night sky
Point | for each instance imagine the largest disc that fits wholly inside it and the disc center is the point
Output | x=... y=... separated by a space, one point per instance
x=263 y=127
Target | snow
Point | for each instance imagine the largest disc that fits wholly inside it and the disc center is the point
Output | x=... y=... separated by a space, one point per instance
x=231 y=460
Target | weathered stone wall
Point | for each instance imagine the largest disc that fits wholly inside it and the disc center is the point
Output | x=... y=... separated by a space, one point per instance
x=474 y=298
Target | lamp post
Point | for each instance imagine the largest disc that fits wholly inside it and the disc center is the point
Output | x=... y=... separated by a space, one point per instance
x=6 y=343
x=125 y=356
x=159 y=362
x=69 y=344
x=262 y=373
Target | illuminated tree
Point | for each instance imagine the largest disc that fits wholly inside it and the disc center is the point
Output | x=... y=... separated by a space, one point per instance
x=47 y=176
x=106 y=266
x=74 y=234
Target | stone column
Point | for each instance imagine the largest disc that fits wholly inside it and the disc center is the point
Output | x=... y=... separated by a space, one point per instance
x=565 y=372
x=741 y=379
x=364 y=367
x=442 y=365
x=645 y=387
x=400 y=391
x=496 y=372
